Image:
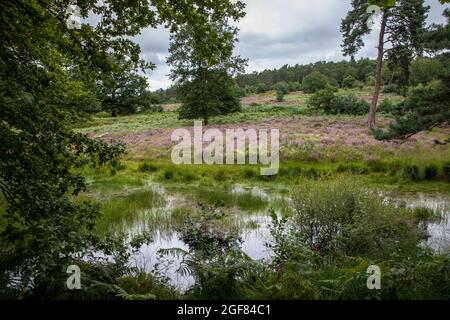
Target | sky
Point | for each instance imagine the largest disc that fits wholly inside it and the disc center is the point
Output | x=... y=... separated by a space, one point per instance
x=277 y=32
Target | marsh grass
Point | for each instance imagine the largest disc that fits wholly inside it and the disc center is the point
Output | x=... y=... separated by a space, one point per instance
x=427 y=215
x=245 y=200
x=125 y=209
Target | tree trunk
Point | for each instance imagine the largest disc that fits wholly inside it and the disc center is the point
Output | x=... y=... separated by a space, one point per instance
x=373 y=107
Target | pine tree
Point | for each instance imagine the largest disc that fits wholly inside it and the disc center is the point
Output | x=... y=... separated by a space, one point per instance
x=401 y=24
x=426 y=106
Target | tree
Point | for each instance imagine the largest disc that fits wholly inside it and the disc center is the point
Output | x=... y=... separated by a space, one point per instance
x=426 y=106
x=425 y=69
x=349 y=82
x=281 y=86
x=205 y=80
x=208 y=94
x=315 y=81
x=123 y=90
x=44 y=229
x=280 y=95
x=261 y=88
x=401 y=24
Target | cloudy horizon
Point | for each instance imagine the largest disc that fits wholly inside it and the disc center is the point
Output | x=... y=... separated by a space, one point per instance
x=276 y=33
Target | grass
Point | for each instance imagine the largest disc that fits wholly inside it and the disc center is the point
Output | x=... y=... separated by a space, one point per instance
x=418 y=166
x=245 y=200
x=126 y=208
x=100 y=126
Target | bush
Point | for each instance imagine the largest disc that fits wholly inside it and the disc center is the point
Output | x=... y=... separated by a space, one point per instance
x=281 y=87
x=370 y=81
x=388 y=107
x=446 y=171
x=294 y=86
x=424 y=108
x=168 y=174
x=343 y=217
x=261 y=88
x=350 y=105
x=392 y=88
x=431 y=172
x=314 y=82
x=349 y=82
x=411 y=173
x=423 y=70
x=280 y=95
x=327 y=101
x=148 y=167
x=323 y=100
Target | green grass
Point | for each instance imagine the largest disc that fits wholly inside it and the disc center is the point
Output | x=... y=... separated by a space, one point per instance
x=245 y=200
x=124 y=193
x=125 y=209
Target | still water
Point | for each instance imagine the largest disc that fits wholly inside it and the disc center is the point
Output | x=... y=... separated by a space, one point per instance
x=254 y=230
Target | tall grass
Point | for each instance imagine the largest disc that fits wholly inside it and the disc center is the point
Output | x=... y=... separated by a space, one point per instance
x=125 y=209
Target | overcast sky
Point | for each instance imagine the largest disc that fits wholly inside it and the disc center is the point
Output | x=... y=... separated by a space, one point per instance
x=275 y=33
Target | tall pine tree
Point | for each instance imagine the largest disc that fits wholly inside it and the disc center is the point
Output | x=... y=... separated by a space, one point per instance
x=426 y=106
x=401 y=23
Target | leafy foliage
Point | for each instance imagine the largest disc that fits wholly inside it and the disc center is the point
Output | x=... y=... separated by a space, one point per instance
x=45 y=72
x=314 y=82
x=329 y=102
x=205 y=84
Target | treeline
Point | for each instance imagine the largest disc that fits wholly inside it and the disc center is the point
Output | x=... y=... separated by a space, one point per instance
x=336 y=72
x=339 y=74
x=343 y=74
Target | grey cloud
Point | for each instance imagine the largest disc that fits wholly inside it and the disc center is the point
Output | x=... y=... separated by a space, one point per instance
x=275 y=33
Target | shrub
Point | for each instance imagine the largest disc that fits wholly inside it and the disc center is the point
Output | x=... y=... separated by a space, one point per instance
x=392 y=88
x=168 y=174
x=411 y=173
x=148 y=167
x=446 y=171
x=261 y=88
x=220 y=175
x=350 y=105
x=294 y=86
x=323 y=100
x=281 y=87
x=327 y=101
x=314 y=82
x=388 y=107
x=280 y=95
x=249 y=173
x=349 y=82
x=423 y=70
x=370 y=80
x=343 y=217
x=425 y=107
x=431 y=172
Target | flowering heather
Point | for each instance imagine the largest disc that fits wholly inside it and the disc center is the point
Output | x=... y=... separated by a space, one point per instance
x=314 y=137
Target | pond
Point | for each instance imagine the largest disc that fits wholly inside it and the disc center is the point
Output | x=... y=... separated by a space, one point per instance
x=253 y=226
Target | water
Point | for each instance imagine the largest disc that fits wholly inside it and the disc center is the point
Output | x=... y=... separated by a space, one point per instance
x=438 y=231
x=254 y=231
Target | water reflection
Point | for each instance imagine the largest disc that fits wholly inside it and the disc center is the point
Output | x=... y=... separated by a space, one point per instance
x=254 y=230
